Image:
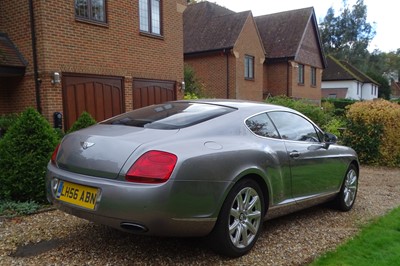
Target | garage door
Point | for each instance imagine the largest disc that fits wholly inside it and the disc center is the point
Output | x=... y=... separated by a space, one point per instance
x=148 y=92
x=101 y=96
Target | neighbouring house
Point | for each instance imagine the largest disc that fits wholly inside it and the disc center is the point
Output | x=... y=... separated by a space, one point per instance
x=394 y=89
x=104 y=57
x=294 y=55
x=342 y=80
x=225 y=50
x=240 y=56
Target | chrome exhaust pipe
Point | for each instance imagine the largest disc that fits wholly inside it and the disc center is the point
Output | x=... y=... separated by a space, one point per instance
x=135 y=228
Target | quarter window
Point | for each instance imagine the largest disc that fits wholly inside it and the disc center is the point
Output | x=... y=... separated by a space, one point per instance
x=294 y=127
x=301 y=74
x=262 y=126
x=94 y=10
x=249 y=67
x=150 y=16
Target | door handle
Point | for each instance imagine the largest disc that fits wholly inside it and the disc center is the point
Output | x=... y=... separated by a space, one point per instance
x=294 y=154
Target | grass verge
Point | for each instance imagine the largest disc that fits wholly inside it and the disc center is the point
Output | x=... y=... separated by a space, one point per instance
x=377 y=244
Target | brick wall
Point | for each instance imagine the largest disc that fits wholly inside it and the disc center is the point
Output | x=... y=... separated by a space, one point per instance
x=17 y=93
x=276 y=77
x=306 y=90
x=250 y=44
x=211 y=70
x=118 y=49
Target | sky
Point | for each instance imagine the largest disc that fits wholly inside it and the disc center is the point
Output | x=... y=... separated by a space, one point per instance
x=384 y=13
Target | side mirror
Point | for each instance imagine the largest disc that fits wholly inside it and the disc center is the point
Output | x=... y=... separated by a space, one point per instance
x=330 y=138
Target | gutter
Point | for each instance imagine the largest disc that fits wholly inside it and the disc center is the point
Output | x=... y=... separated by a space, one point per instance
x=34 y=55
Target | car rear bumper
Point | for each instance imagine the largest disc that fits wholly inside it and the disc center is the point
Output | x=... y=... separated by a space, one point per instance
x=184 y=208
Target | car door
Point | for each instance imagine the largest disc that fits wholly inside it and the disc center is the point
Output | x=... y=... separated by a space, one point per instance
x=274 y=157
x=314 y=165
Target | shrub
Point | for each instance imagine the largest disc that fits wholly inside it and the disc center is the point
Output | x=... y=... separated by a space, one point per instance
x=6 y=122
x=315 y=113
x=335 y=126
x=12 y=208
x=373 y=131
x=340 y=105
x=24 y=153
x=193 y=85
x=85 y=120
x=190 y=96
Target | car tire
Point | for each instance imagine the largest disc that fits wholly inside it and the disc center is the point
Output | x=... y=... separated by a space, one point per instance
x=240 y=220
x=344 y=201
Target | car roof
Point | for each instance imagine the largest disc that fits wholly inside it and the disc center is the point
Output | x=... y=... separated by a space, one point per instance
x=242 y=105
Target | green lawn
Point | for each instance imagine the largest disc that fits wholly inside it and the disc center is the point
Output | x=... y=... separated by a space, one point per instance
x=377 y=244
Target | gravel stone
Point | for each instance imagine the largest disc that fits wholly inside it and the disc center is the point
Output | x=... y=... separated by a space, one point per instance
x=56 y=238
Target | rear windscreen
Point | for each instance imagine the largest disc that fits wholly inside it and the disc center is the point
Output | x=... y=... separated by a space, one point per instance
x=173 y=115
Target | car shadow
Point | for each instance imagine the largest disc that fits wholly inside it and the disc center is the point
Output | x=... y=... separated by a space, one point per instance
x=92 y=241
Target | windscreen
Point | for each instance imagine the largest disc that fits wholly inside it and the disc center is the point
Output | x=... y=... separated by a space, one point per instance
x=172 y=115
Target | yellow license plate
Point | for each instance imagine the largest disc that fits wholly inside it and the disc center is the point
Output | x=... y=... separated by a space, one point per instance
x=79 y=195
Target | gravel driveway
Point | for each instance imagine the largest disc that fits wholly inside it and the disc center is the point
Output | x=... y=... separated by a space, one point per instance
x=55 y=238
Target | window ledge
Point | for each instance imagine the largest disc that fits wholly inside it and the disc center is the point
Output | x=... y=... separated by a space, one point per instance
x=151 y=35
x=249 y=79
x=92 y=22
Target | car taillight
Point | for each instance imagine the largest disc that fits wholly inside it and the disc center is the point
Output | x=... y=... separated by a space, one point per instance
x=152 y=167
x=54 y=155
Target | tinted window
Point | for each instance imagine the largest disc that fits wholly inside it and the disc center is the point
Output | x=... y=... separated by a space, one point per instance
x=170 y=115
x=294 y=127
x=262 y=126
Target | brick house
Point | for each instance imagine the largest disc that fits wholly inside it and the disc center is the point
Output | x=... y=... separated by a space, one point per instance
x=284 y=51
x=225 y=50
x=342 y=80
x=104 y=57
x=294 y=56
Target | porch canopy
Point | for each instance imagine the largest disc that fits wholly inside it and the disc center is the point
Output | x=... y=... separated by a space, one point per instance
x=12 y=63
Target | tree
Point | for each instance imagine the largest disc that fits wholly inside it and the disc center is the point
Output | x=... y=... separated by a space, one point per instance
x=393 y=61
x=387 y=64
x=348 y=35
x=384 y=87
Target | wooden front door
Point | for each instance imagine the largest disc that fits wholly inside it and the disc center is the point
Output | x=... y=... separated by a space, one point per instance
x=100 y=96
x=147 y=92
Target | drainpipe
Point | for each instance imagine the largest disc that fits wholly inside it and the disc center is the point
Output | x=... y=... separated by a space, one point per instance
x=34 y=55
x=227 y=73
x=287 y=76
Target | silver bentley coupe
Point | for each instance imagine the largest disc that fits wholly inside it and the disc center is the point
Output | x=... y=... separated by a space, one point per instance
x=215 y=168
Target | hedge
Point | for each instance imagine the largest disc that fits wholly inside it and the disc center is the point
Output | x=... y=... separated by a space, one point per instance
x=373 y=130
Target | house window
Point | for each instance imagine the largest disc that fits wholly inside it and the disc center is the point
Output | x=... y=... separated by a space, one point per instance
x=150 y=16
x=301 y=74
x=94 y=10
x=313 y=76
x=249 y=67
